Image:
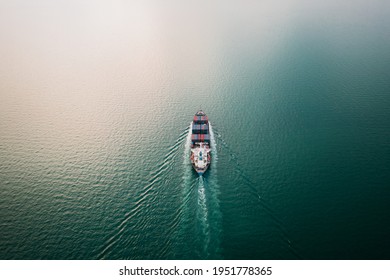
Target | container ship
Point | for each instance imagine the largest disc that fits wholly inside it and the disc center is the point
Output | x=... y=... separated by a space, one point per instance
x=200 y=143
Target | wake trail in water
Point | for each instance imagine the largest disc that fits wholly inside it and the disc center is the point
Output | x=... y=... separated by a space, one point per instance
x=201 y=212
x=213 y=191
x=202 y=216
x=145 y=195
x=187 y=176
x=255 y=192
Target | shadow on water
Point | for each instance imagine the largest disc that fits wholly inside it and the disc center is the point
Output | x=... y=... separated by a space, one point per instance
x=255 y=192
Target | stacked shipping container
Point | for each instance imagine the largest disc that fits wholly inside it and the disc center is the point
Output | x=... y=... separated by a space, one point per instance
x=201 y=119
x=200 y=138
x=200 y=129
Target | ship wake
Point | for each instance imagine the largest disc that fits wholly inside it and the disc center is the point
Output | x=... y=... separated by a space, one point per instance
x=201 y=219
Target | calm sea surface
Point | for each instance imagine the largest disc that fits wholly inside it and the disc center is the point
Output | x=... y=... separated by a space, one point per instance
x=96 y=100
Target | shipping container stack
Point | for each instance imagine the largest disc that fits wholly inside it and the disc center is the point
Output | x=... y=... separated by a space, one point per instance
x=200 y=129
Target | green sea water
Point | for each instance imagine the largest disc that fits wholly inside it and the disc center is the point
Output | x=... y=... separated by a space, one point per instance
x=96 y=100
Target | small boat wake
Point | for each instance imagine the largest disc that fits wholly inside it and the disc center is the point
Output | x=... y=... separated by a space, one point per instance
x=201 y=219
